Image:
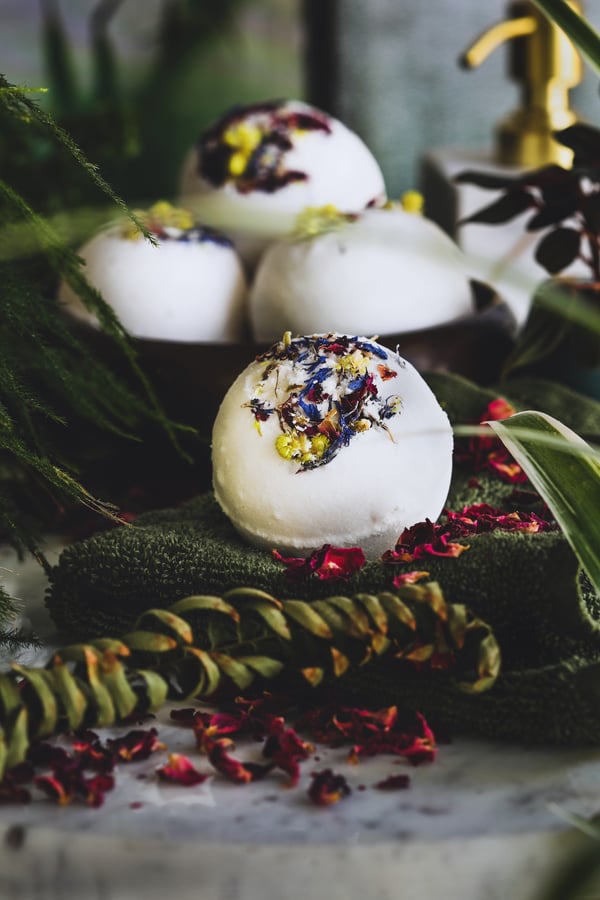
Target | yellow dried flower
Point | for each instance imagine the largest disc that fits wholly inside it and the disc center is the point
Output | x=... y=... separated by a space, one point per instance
x=355 y=363
x=412 y=202
x=243 y=138
x=315 y=220
x=295 y=445
x=161 y=214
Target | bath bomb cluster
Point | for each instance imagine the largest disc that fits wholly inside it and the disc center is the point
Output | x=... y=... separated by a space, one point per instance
x=383 y=271
x=260 y=165
x=301 y=210
x=330 y=438
x=190 y=287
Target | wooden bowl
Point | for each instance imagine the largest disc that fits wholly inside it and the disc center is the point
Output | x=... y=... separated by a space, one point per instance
x=191 y=379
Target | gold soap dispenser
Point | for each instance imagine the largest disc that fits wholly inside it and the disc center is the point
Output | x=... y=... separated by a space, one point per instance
x=546 y=65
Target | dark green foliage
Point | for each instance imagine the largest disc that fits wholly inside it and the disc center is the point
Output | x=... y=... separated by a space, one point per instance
x=566 y=201
x=50 y=384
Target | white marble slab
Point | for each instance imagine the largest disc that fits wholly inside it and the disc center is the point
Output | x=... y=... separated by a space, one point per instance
x=483 y=814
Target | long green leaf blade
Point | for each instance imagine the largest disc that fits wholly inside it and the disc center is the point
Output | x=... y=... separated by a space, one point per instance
x=578 y=29
x=565 y=470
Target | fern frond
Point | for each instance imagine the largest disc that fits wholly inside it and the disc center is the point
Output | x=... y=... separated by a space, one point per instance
x=68 y=265
x=26 y=108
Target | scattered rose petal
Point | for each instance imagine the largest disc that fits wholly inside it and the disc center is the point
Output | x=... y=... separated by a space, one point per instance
x=327 y=788
x=394 y=783
x=231 y=768
x=285 y=749
x=180 y=770
x=135 y=745
x=421 y=540
x=328 y=563
x=485 y=451
x=409 y=578
x=61 y=790
x=94 y=755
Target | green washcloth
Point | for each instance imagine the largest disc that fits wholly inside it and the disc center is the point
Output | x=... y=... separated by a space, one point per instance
x=527 y=586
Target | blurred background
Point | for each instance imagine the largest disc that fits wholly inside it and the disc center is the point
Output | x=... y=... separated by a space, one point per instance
x=136 y=81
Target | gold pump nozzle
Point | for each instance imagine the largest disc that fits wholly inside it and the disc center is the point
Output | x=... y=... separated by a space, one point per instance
x=544 y=61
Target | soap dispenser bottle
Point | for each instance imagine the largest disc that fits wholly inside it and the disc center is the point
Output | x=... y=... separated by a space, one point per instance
x=546 y=65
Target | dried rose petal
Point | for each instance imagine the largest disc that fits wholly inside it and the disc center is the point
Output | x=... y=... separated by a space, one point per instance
x=327 y=788
x=179 y=769
x=504 y=465
x=328 y=563
x=135 y=745
x=385 y=373
x=94 y=755
x=60 y=789
x=234 y=769
x=339 y=562
x=498 y=409
x=357 y=724
x=416 y=747
x=94 y=789
x=297 y=567
x=393 y=783
x=481 y=517
x=423 y=539
x=409 y=578
x=286 y=749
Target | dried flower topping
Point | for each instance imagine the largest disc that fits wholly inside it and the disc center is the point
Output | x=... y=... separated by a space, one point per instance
x=316 y=220
x=172 y=223
x=248 y=146
x=327 y=563
x=323 y=393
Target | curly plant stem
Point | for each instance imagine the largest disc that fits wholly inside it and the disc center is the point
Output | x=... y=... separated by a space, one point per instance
x=203 y=644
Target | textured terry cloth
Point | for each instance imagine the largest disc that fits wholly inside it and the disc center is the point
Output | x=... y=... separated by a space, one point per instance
x=527 y=586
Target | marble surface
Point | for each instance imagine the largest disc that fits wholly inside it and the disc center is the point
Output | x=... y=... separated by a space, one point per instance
x=484 y=820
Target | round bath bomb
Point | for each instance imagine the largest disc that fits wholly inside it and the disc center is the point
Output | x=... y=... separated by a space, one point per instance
x=260 y=165
x=385 y=271
x=190 y=287
x=330 y=439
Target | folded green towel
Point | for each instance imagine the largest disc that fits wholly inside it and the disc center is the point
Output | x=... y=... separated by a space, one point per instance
x=527 y=586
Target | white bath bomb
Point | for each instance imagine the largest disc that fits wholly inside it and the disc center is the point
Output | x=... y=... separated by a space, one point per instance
x=259 y=165
x=386 y=271
x=330 y=439
x=190 y=287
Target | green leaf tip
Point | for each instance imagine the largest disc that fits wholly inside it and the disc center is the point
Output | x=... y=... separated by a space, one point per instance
x=565 y=470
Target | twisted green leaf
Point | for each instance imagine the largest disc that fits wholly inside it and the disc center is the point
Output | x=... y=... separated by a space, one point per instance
x=168 y=656
x=565 y=470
